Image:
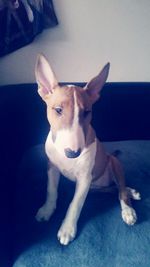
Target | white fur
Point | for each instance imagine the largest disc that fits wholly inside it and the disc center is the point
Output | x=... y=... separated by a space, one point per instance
x=45 y=212
x=82 y=172
x=79 y=170
x=68 y=228
x=128 y=213
x=68 y=138
x=133 y=193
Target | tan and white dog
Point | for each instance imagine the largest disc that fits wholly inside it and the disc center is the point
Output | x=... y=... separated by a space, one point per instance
x=74 y=150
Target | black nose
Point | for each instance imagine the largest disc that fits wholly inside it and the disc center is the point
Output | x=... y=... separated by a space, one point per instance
x=72 y=154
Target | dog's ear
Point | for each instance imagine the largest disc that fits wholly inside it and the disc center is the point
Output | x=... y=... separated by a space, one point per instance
x=94 y=87
x=45 y=77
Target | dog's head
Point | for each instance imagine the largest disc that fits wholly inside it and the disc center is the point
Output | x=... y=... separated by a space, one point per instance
x=69 y=108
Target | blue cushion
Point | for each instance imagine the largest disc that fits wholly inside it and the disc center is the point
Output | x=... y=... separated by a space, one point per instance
x=103 y=239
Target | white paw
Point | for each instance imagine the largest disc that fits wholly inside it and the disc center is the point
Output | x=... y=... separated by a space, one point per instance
x=133 y=193
x=45 y=212
x=129 y=215
x=66 y=233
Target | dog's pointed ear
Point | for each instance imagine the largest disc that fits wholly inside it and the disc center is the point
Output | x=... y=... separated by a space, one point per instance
x=45 y=77
x=94 y=87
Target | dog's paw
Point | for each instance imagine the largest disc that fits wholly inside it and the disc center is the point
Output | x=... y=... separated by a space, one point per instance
x=66 y=233
x=133 y=193
x=45 y=212
x=129 y=215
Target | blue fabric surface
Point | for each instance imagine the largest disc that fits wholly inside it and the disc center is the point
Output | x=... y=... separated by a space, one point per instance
x=103 y=239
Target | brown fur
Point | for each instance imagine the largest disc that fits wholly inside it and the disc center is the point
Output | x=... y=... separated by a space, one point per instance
x=60 y=99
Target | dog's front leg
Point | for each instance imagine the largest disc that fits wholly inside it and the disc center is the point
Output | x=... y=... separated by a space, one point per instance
x=68 y=228
x=45 y=212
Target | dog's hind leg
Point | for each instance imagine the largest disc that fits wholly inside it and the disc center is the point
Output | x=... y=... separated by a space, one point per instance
x=125 y=193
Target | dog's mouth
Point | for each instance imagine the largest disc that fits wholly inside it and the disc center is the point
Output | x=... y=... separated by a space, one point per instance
x=72 y=154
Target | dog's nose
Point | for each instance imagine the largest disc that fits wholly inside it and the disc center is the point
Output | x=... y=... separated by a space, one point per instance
x=72 y=154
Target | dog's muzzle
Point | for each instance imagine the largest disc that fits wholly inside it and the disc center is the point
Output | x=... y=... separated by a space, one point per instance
x=72 y=154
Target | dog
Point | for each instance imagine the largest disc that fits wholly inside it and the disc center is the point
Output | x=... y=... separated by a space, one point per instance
x=74 y=150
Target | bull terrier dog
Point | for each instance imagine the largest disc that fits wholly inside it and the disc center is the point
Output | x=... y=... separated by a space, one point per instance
x=74 y=150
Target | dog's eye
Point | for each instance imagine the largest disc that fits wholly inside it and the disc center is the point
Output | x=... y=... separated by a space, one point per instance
x=58 y=110
x=86 y=113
